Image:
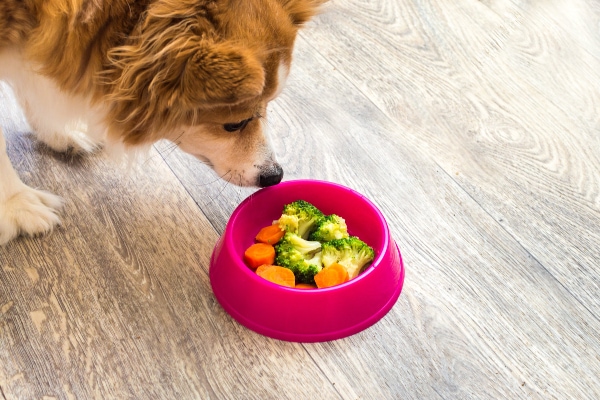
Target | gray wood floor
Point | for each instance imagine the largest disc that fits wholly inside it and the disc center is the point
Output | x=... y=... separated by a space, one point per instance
x=473 y=125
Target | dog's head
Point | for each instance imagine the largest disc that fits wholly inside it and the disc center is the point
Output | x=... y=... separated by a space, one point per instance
x=201 y=73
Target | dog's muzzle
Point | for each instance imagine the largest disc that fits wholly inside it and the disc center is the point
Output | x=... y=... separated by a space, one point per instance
x=270 y=175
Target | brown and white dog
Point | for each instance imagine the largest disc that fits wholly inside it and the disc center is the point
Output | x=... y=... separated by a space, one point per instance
x=122 y=72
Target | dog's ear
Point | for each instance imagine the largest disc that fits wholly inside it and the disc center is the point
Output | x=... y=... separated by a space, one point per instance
x=208 y=73
x=159 y=79
x=301 y=11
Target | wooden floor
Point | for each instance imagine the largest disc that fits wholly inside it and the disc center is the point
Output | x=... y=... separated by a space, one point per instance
x=473 y=125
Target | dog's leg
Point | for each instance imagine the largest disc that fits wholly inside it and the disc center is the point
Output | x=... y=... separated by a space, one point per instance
x=23 y=210
x=55 y=116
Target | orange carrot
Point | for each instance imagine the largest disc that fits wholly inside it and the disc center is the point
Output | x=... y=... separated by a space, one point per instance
x=277 y=274
x=334 y=274
x=270 y=234
x=263 y=267
x=305 y=286
x=259 y=254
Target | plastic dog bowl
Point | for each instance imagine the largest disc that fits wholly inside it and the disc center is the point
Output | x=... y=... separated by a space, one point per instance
x=306 y=315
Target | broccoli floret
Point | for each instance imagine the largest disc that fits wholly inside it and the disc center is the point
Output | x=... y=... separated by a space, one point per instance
x=351 y=252
x=299 y=217
x=301 y=256
x=328 y=228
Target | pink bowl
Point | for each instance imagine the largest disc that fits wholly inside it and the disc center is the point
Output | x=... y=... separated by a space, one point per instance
x=306 y=315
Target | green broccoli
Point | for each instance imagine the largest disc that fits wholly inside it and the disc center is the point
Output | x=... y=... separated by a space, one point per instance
x=299 y=217
x=351 y=252
x=301 y=256
x=328 y=228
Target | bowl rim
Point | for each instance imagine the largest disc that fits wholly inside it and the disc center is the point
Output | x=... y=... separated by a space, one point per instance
x=382 y=251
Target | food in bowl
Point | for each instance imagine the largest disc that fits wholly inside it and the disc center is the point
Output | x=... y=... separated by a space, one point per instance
x=316 y=248
x=259 y=254
x=276 y=274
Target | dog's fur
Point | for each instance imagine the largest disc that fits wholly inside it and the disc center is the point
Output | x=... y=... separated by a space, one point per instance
x=120 y=72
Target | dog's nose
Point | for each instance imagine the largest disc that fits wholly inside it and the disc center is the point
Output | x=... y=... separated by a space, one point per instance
x=271 y=175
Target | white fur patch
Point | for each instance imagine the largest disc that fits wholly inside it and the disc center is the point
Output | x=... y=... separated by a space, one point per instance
x=60 y=120
x=282 y=74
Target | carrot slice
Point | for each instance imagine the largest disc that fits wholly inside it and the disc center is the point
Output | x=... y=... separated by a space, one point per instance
x=262 y=268
x=259 y=254
x=305 y=286
x=276 y=274
x=270 y=234
x=334 y=274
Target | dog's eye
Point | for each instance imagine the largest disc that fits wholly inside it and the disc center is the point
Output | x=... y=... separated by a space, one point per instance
x=236 y=126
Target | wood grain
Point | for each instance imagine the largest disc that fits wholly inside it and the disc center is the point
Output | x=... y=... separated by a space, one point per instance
x=117 y=303
x=507 y=141
x=473 y=125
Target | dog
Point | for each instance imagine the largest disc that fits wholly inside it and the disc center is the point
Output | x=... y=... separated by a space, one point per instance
x=109 y=73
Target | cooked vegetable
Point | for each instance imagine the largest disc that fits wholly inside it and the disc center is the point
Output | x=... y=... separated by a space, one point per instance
x=351 y=252
x=305 y=286
x=299 y=217
x=334 y=274
x=328 y=228
x=301 y=256
x=314 y=248
x=277 y=274
x=270 y=234
x=259 y=254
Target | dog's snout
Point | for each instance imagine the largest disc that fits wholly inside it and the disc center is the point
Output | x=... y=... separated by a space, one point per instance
x=270 y=176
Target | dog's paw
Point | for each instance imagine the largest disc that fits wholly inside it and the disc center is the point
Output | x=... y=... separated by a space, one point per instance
x=73 y=140
x=28 y=212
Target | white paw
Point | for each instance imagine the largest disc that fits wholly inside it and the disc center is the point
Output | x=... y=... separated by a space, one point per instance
x=72 y=139
x=28 y=212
